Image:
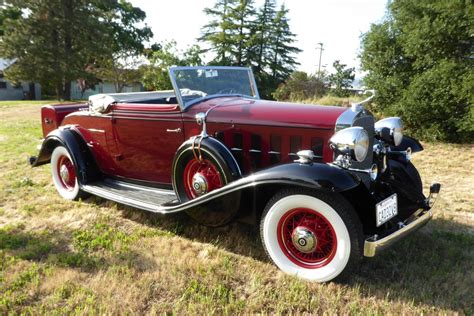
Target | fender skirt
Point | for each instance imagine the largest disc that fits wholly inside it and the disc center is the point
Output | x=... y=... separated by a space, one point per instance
x=86 y=167
x=317 y=176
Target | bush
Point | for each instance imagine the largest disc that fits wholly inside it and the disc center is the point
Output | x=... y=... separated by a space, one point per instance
x=419 y=59
x=435 y=107
x=300 y=86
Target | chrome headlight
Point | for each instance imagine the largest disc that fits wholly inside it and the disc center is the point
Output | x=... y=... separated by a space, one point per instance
x=353 y=141
x=394 y=125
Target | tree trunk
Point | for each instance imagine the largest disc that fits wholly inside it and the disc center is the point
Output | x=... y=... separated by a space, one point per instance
x=67 y=90
x=68 y=13
x=32 y=92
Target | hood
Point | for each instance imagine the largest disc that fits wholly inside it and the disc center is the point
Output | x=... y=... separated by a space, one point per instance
x=263 y=112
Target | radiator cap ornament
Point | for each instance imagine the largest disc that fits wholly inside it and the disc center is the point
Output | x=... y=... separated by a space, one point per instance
x=306 y=156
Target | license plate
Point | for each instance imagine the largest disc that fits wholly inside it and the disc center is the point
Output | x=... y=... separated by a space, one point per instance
x=386 y=210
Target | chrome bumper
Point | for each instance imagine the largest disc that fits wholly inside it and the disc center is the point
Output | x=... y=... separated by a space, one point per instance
x=373 y=244
x=419 y=219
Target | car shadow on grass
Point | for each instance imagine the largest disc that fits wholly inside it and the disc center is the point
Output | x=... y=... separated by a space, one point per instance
x=431 y=267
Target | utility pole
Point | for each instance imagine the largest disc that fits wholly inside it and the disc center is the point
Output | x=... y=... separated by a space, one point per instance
x=320 y=56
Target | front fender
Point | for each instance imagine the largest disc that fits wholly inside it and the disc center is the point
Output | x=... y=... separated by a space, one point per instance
x=320 y=176
x=317 y=176
x=408 y=141
x=86 y=167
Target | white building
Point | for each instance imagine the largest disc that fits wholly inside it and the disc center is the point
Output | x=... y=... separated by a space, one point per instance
x=102 y=87
x=21 y=91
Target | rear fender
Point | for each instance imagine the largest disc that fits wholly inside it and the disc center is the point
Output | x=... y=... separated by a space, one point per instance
x=86 y=167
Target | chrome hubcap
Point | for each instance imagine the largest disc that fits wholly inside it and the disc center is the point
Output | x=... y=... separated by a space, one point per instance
x=64 y=173
x=304 y=239
x=199 y=184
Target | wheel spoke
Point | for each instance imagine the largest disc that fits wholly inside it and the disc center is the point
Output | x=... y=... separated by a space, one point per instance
x=318 y=227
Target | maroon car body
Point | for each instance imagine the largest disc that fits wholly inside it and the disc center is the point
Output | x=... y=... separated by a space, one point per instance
x=227 y=155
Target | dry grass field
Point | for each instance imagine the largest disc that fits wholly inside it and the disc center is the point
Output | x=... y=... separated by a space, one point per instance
x=95 y=256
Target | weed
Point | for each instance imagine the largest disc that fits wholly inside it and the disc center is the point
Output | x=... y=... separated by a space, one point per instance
x=101 y=237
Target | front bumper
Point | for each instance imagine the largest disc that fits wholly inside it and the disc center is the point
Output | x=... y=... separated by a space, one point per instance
x=375 y=243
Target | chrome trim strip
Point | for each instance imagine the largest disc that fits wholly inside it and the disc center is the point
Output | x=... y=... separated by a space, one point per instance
x=236 y=149
x=255 y=151
x=273 y=152
x=372 y=244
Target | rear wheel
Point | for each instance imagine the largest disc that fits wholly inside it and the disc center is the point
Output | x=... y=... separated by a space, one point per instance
x=64 y=176
x=312 y=235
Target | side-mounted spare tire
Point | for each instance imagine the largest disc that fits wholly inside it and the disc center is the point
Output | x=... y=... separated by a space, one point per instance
x=200 y=171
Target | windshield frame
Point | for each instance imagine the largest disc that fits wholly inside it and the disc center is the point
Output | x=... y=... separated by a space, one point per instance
x=183 y=106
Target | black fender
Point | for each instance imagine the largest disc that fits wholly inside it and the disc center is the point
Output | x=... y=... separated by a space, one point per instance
x=325 y=177
x=83 y=159
x=317 y=176
x=408 y=141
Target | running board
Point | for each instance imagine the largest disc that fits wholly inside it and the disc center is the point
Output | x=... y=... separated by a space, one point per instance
x=142 y=197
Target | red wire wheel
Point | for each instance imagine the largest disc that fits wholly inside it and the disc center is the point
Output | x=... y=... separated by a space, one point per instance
x=66 y=172
x=307 y=238
x=201 y=177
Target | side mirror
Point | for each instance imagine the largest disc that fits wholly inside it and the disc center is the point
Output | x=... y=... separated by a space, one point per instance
x=201 y=120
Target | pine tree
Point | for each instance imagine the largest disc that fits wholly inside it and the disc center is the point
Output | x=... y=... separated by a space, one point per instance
x=241 y=22
x=282 y=62
x=240 y=36
x=265 y=18
x=217 y=31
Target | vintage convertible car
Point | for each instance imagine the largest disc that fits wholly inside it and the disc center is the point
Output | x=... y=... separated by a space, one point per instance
x=327 y=184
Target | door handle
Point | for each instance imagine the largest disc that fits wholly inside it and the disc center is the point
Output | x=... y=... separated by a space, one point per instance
x=176 y=130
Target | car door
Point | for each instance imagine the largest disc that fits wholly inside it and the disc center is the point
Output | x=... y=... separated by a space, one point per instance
x=148 y=136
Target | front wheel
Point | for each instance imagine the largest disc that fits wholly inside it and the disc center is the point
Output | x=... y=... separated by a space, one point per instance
x=64 y=176
x=312 y=235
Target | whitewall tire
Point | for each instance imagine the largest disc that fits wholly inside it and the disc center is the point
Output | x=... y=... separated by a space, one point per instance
x=312 y=235
x=63 y=172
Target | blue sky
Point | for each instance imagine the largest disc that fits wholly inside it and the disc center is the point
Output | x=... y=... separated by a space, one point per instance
x=338 y=24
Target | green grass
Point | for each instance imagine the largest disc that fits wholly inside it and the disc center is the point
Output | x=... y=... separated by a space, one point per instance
x=98 y=257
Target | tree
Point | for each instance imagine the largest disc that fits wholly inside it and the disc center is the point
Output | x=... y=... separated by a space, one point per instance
x=341 y=80
x=217 y=32
x=240 y=36
x=300 y=86
x=57 y=41
x=240 y=26
x=261 y=32
x=280 y=59
x=120 y=64
x=155 y=75
x=419 y=59
x=119 y=69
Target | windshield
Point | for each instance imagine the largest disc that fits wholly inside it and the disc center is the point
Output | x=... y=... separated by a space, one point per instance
x=194 y=84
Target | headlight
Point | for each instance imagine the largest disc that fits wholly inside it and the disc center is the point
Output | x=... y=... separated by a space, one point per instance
x=353 y=141
x=395 y=127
